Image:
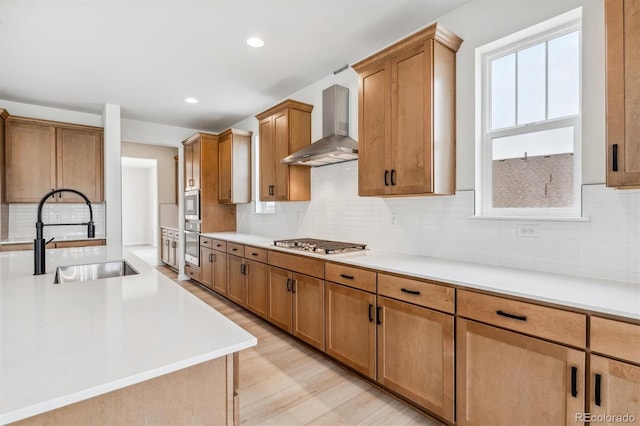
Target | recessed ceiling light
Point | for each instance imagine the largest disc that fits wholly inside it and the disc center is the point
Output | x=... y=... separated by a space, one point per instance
x=191 y=100
x=255 y=42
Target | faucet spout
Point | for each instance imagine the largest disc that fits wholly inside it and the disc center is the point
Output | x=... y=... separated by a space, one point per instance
x=39 y=244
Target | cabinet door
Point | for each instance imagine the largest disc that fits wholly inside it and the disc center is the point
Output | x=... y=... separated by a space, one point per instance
x=411 y=150
x=173 y=253
x=623 y=92
x=351 y=328
x=280 y=298
x=79 y=164
x=225 y=169
x=206 y=266
x=615 y=389
x=281 y=150
x=308 y=309
x=373 y=131
x=165 y=250
x=220 y=281
x=257 y=287
x=267 y=160
x=237 y=290
x=195 y=163
x=30 y=161
x=505 y=378
x=415 y=355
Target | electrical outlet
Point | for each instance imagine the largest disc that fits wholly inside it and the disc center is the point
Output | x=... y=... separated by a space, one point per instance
x=394 y=220
x=527 y=230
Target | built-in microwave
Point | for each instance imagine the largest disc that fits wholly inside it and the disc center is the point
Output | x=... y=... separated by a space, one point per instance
x=192 y=205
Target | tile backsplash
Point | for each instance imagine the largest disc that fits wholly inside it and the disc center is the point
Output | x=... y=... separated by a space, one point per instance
x=606 y=246
x=23 y=217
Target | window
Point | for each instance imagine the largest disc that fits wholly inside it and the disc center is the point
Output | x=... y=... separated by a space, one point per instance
x=528 y=157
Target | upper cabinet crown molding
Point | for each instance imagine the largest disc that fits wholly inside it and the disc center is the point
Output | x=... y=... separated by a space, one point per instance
x=288 y=103
x=406 y=116
x=622 y=18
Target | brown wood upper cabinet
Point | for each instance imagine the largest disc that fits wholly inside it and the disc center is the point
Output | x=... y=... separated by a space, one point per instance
x=45 y=155
x=623 y=92
x=406 y=122
x=284 y=129
x=201 y=152
x=234 y=168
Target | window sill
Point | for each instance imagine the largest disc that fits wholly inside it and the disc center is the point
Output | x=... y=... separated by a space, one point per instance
x=536 y=218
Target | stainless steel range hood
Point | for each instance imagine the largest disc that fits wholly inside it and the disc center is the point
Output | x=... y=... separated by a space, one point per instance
x=335 y=146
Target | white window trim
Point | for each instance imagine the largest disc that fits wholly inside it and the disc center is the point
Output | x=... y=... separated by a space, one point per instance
x=555 y=27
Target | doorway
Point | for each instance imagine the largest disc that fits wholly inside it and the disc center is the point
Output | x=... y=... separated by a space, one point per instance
x=139 y=207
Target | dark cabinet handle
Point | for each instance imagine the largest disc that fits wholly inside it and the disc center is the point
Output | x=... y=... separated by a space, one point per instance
x=229 y=193
x=242 y=268
x=386 y=178
x=574 y=382
x=393 y=177
x=213 y=256
x=288 y=284
x=234 y=249
x=614 y=157
x=53 y=195
x=254 y=254
x=218 y=245
x=293 y=286
x=512 y=316
x=379 y=315
x=348 y=277
x=370 y=312
x=210 y=257
x=404 y=290
x=598 y=390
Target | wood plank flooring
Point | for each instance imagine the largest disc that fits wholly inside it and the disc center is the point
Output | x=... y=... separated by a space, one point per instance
x=284 y=382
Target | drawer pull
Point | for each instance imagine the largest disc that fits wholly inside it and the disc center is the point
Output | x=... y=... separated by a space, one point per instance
x=379 y=315
x=218 y=245
x=574 y=382
x=370 y=312
x=234 y=249
x=254 y=254
x=293 y=286
x=348 y=277
x=512 y=316
x=598 y=390
x=404 y=290
x=386 y=178
x=288 y=285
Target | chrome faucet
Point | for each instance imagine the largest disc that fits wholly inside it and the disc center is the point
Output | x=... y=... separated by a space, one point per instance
x=39 y=244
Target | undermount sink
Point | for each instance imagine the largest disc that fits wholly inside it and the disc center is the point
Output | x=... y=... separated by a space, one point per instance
x=93 y=271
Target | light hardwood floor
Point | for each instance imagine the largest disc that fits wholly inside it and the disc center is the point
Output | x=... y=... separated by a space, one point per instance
x=284 y=382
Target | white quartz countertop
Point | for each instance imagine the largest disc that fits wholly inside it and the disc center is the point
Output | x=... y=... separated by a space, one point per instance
x=64 y=343
x=594 y=295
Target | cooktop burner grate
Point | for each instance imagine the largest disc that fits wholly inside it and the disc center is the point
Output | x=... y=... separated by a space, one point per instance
x=319 y=246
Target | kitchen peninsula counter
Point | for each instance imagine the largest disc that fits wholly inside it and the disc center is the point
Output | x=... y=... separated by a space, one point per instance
x=71 y=342
x=598 y=296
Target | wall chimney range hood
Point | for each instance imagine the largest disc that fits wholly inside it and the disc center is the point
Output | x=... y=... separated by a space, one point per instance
x=335 y=146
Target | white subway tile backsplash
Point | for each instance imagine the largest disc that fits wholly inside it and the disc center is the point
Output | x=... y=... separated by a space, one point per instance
x=23 y=217
x=606 y=246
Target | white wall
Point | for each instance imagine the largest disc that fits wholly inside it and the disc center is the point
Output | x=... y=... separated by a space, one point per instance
x=606 y=246
x=139 y=218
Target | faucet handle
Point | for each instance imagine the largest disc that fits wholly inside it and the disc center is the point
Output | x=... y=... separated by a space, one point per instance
x=52 y=238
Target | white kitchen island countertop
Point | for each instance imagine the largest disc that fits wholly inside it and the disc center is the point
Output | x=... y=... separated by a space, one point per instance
x=594 y=295
x=64 y=343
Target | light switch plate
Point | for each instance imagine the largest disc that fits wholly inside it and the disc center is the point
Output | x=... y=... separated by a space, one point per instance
x=527 y=230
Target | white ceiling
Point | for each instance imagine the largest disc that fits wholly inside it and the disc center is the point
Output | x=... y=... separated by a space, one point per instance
x=149 y=55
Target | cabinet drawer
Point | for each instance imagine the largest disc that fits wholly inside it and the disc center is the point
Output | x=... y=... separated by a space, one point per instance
x=303 y=264
x=540 y=321
x=235 y=249
x=255 y=253
x=206 y=242
x=193 y=272
x=350 y=276
x=219 y=244
x=421 y=293
x=164 y=232
x=615 y=338
x=171 y=233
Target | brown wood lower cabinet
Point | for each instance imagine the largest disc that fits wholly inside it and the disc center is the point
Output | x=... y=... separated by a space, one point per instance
x=416 y=356
x=257 y=287
x=237 y=290
x=296 y=304
x=614 y=391
x=505 y=378
x=220 y=281
x=351 y=327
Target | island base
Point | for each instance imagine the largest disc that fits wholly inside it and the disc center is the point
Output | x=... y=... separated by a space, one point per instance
x=205 y=393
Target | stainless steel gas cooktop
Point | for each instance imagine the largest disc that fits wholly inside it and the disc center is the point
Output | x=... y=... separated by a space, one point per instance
x=319 y=246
